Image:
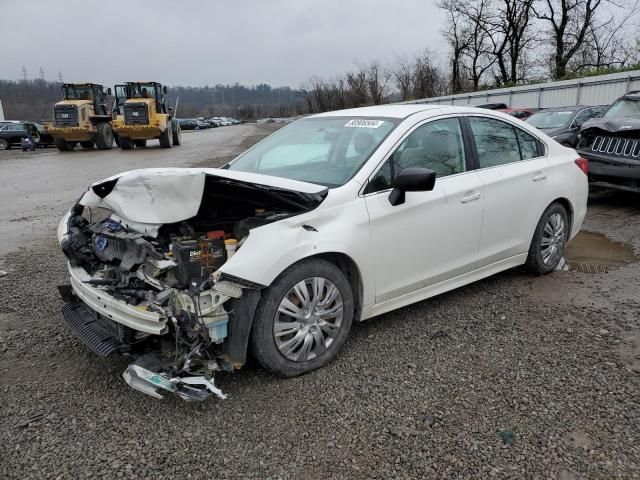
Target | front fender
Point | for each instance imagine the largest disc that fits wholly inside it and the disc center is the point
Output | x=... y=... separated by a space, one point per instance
x=272 y=248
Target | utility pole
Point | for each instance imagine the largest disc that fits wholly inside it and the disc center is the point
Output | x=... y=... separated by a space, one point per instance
x=24 y=73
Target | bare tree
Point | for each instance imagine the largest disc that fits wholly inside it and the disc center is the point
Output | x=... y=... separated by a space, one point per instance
x=377 y=82
x=428 y=79
x=403 y=75
x=509 y=31
x=476 y=17
x=607 y=43
x=457 y=36
x=569 y=22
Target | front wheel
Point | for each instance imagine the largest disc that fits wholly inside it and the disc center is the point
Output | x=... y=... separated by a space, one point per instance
x=63 y=145
x=126 y=143
x=303 y=318
x=549 y=240
x=166 y=137
x=104 y=136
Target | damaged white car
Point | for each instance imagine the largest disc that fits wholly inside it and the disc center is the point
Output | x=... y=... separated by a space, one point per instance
x=337 y=217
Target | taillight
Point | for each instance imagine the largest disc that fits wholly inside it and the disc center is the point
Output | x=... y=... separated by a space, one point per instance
x=583 y=164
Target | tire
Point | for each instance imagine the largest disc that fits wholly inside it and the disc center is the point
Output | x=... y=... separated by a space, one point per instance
x=165 y=137
x=177 y=133
x=126 y=143
x=104 y=136
x=140 y=143
x=63 y=145
x=4 y=144
x=278 y=353
x=549 y=240
x=87 y=145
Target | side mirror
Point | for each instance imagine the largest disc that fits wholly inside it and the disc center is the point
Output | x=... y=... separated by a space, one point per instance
x=411 y=179
x=164 y=90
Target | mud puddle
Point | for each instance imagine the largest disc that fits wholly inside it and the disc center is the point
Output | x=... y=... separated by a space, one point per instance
x=593 y=252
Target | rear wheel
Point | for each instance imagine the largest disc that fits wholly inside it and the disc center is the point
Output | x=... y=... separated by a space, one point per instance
x=87 y=145
x=177 y=133
x=303 y=318
x=140 y=143
x=104 y=136
x=549 y=240
x=126 y=143
x=4 y=144
x=165 y=137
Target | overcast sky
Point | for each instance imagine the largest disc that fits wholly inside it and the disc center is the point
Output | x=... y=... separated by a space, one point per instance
x=197 y=42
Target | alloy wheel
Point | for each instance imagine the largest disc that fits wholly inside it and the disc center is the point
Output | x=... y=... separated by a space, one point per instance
x=553 y=240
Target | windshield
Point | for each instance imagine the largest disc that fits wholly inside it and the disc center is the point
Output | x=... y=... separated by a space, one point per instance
x=142 y=90
x=326 y=150
x=548 y=120
x=625 y=107
x=78 y=92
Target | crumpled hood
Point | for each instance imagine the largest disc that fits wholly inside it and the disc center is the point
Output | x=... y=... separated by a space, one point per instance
x=169 y=195
x=613 y=125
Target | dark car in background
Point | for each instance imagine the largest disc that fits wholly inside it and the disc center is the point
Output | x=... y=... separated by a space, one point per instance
x=46 y=140
x=519 y=113
x=612 y=145
x=493 y=106
x=12 y=133
x=563 y=123
x=188 y=124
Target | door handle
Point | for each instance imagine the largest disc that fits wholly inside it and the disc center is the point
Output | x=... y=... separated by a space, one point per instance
x=470 y=197
x=539 y=176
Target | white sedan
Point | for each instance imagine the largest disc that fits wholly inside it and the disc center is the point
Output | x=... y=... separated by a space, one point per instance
x=335 y=218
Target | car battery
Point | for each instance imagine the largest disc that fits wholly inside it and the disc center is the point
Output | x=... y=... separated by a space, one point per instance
x=196 y=259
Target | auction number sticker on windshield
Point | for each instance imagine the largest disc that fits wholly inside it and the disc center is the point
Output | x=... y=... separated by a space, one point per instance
x=361 y=123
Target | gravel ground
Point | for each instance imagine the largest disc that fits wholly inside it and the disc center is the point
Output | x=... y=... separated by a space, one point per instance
x=512 y=377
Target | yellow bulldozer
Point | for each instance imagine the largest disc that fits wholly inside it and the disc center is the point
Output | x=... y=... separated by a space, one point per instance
x=141 y=113
x=83 y=117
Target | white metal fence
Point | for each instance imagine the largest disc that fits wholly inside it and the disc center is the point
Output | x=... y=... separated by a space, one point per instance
x=600 y=90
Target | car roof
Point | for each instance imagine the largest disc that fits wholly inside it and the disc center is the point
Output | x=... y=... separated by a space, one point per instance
x=396 y=111
x=567 y=109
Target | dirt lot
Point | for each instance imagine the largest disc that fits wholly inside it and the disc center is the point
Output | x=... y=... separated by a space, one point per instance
x=512 y=377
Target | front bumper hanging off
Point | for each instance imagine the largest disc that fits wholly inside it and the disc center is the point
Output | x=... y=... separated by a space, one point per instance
x=105 y=337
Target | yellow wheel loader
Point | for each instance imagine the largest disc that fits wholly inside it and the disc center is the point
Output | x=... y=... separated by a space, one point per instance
x=82 y=117
x=141 y=113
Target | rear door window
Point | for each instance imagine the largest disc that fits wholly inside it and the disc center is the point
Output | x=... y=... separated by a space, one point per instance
x=496 y=142
x=500 y=143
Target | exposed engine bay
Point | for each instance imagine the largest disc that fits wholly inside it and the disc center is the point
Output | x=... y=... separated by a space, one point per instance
x=169 y=273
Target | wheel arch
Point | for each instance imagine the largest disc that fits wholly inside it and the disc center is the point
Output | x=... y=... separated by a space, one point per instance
x=351 y=270
x=568 y=206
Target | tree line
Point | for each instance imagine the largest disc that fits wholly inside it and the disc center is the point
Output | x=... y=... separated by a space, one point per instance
x=34 y=99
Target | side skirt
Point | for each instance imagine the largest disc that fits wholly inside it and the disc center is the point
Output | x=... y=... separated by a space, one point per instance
x=444 y=286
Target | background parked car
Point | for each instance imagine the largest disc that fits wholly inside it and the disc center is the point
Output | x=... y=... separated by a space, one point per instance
x=612 y=145
x=11 y=134
x=519 y=113
x=563 y=124
x=188 y=124
x=493 y=106
x=46 y=140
